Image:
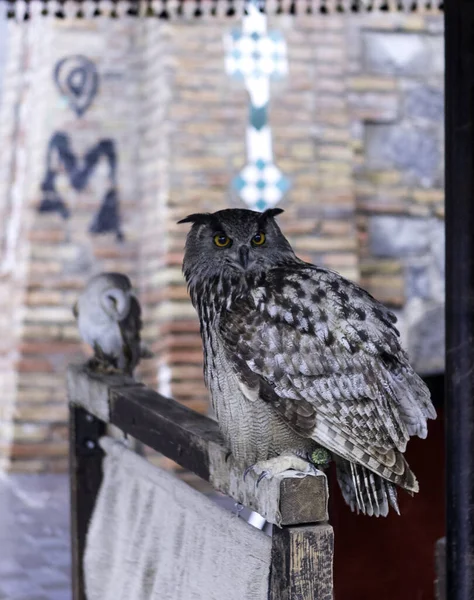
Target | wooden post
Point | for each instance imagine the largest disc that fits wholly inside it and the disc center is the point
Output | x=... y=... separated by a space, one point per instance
x=301 y=567
x=440 y=562
x=459 y=89
x=302 y=550
x=194 y=442
x=85 y=468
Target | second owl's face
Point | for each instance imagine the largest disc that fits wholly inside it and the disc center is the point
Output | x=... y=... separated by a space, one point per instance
x=236 y=240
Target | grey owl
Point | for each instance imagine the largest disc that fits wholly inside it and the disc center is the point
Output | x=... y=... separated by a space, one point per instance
x=109 y=320
x=298 y=359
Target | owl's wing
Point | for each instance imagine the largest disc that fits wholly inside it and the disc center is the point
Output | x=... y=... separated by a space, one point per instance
x=326 y=356
x=130 y=327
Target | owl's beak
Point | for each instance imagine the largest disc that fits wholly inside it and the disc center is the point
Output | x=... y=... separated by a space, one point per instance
x=244 y=256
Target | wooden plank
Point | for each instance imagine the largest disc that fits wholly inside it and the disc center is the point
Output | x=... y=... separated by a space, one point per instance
x=194 y=442
x=91 y=390
x=301 y=565
x=166 y=426
x=85 y=470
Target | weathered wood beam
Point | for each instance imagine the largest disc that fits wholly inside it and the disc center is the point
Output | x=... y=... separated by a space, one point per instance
x=194 y=442
x=85 y=470
x=301 y=566
x=91 y=390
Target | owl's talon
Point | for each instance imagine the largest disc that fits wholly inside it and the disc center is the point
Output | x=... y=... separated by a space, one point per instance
x=279 y=464
x=227 y=456
x=261 y=476
x=102 y=367
x=247 y=471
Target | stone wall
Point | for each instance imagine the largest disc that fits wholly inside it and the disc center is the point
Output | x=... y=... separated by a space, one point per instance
x=397 y=109
x=360 y=202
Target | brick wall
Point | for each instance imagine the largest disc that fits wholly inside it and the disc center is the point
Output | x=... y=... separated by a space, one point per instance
x=208 y=114
x=12 y=266
x=155 y=68
x=178 y=124
x=53 y=257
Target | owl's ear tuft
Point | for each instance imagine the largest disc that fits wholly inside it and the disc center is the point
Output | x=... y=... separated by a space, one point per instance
x=198 y=218
x=272 y=212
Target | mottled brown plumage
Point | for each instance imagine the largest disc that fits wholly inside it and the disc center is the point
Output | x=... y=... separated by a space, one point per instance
x=296 y=356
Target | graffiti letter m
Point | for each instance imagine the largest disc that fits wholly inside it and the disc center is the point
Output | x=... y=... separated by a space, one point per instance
x=107 y=219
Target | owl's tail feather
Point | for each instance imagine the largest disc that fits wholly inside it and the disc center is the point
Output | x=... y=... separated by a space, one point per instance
x=364 y=491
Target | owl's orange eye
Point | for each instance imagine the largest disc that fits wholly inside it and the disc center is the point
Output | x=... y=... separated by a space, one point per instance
x=221 y=240
x=258 y=239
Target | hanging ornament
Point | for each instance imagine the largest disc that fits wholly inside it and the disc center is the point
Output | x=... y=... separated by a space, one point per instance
x=134 y=8
x=27 y=14
x=113 y=12
x=80 y=11
x=164 y=14
x=11 y=13
x=230 y=9
x=149 y=12
x=59 y=14
x=153 y=8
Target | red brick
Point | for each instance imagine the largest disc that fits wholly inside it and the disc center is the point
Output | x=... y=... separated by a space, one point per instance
x=34 y=365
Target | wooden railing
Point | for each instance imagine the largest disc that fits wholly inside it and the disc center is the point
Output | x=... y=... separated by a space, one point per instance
x=302 y=540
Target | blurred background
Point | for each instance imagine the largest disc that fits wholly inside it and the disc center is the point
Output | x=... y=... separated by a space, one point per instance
x=111 y=130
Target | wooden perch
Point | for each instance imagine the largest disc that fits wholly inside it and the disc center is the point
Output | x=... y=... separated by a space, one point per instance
x=194 y=442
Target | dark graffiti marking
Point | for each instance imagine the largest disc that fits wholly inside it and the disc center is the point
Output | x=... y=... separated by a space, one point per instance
x=77 y=79
x=79 y=172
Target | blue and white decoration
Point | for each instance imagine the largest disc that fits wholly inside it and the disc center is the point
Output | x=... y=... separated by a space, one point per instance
x=257 y=57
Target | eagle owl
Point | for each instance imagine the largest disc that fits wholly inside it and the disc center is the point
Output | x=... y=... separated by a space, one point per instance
x=298 y=359
x=109 y=320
